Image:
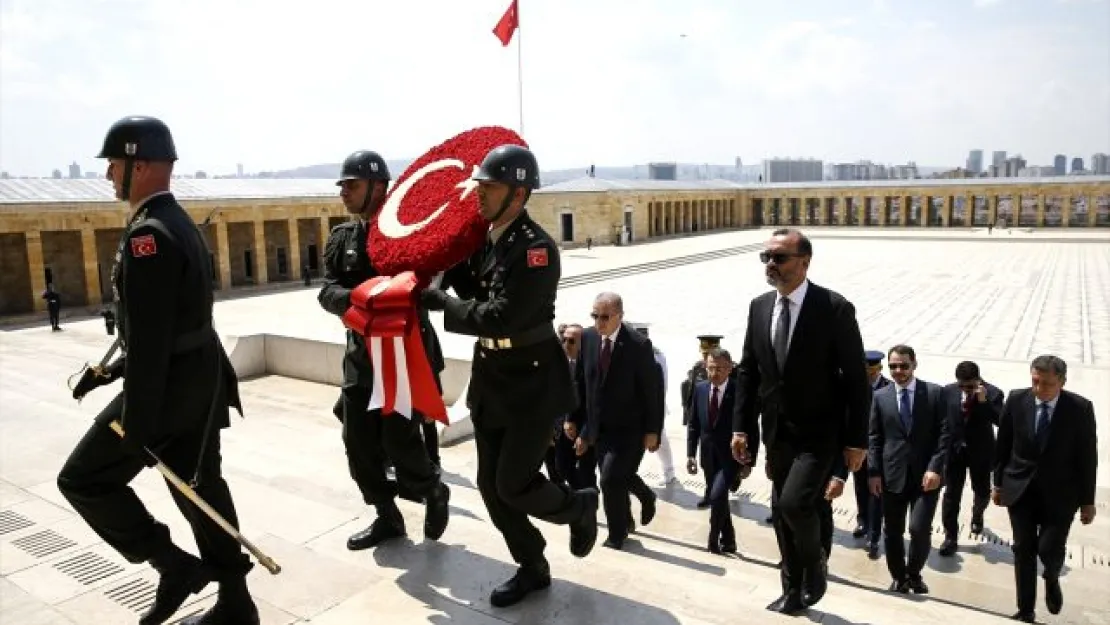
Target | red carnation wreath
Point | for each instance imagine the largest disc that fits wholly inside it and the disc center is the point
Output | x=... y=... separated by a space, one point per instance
x=428 y=223
x=430 y=220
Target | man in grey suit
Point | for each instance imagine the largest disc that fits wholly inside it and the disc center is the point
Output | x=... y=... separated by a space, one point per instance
x=907 y=451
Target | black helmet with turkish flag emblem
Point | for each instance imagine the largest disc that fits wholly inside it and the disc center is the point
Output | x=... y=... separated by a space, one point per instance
x=139 y=138
x=510 y=164
x=364 y=165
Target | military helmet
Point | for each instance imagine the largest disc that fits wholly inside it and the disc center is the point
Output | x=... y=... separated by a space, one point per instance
x=510 y=164
x=364 y=165
x=139 y=138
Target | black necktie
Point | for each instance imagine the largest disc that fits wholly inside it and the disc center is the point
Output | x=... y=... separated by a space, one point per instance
x=714 y=409
x=782 y=333
x=606 y=356
x=1042 y=425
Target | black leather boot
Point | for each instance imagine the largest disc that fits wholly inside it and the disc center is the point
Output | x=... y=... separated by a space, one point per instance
x=180 y=575
x=437 y=512
x=528 y=579
x=389 y=524
x=234 y=606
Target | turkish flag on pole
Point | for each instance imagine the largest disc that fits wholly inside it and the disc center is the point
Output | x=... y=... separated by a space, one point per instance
x=507 y=25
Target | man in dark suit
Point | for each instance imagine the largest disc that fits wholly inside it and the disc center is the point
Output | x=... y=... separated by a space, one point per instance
x=801 y=365
x=619 y=412
x=909 y=440
x=710 y=428
x=578 y=471
x=869 y=508
x=973 y=411
x=1045 y=467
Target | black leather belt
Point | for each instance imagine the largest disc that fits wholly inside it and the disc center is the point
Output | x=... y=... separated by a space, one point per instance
x=194 y=339
x=520 y=339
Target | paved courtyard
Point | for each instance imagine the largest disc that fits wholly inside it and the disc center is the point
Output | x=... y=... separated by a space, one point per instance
x=998 y=300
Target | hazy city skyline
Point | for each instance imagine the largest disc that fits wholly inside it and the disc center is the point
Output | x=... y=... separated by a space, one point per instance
x=619 y=82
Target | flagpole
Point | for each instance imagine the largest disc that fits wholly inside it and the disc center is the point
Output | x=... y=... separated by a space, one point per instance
x=520 y=67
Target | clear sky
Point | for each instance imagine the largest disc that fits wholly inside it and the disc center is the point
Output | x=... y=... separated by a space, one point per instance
x=274 y=84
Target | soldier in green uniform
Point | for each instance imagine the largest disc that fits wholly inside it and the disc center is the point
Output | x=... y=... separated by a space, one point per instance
x=178 y=385
x=519 y=379
x=370 y=437
x=697 y=373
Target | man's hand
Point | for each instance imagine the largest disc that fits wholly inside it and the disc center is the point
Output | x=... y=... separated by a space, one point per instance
x=875 y=485
x=745 y=471
x=692 y=466
x=833 y=489
x=931 y=481
x=580 y=446
x=996 y=496
x=570 y=430
x=651 y=442
x=433 y=299
x=981 y=393
x=1086 y=514
x=854 y=457
x=739 y=446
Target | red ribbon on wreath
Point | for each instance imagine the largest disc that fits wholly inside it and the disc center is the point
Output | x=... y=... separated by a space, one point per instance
x=383 y=312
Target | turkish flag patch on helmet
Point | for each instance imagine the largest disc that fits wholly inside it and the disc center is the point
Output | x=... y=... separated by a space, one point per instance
x=143 y=245
x=537 y=257
x=430 y=220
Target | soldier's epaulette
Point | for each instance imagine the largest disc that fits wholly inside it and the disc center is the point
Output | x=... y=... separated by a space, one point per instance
x=346 y=225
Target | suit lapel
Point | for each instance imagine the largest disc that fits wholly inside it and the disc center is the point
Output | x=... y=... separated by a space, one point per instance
x=703 y=406
x=1030 y=418
x=891 y=399
x=920 y=399
x=767 y=323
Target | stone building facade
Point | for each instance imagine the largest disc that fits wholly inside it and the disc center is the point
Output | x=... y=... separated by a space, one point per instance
x=266 y=231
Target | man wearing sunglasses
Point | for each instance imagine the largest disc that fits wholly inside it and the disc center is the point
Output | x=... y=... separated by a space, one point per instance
x=974 y=408
x=801 y=370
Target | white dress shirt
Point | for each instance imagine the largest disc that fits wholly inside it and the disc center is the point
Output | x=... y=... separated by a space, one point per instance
x=796 y=297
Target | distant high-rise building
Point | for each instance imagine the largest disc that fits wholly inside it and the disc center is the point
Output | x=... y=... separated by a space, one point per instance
x=1077 y=164
x=998 y=158
x=239 y=170
x=1038 y=171
x=1100 y=164
x=201 y=175
x=793 y=170
x=739 y=163
x=56 y=174
x=663 y=171
x=1060 y=164
x=74 y=170
x=1013 y=166
x=975 y=161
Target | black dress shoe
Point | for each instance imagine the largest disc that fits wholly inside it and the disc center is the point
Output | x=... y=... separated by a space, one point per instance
x=703 y=504
x=185 y=575
x=947 y=548
x=583 y=532
x=917 y=585
x=614 y=543
x=769 y=520
x=1053 y=595
x=789 y=603
x=873 y=550
x=900 y=586
x=234 y=606
x=727 y=547
x=977 y=524
x=860 y=530
x=527 y=580
x=437 y=512
x=1024 y=617
x=382 y=529
x=647 y=510
x=714 y=547
x=816 y=581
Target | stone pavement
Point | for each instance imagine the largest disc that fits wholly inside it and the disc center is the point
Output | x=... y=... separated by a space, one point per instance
x=997 y=302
